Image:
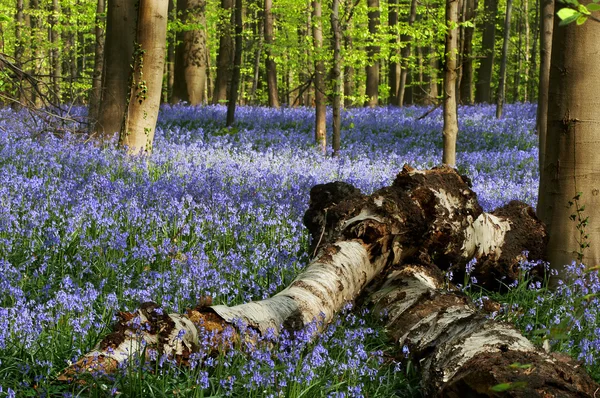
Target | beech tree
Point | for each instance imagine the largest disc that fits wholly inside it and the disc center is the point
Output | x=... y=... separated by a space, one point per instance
x=483 y=88
x=141 y=112
x=270 y=62
x=118 y=53
x=546 y=16
x=234 y=89
x=372 y=68
x=336 y=77
x=503 y=61
x=96 y=92
x=382 y=246
x=450 y=105
x=569 y=200
x=225 y=53
x=320 y=106
x=191 y=61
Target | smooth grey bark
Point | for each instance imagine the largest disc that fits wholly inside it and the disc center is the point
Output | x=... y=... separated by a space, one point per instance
x=55 y=59
x=271 y=67
x=118 y=53
x=570 y=180
x=394 y=64
x=372 y=68
x=190 y=54
x=336 y=77
x=237 y=64
x=225 y=54
x=96 y=92
x=466 y=81
x=405 y=54
x=450 y=130
x=483 y=88
x=546 y=30
x=145 y=90
x=504 y=60
x=320 y=106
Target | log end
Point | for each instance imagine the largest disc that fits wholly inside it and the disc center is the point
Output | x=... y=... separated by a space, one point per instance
x=520 y=374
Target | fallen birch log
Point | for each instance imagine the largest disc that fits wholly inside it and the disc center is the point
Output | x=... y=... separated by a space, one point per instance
x=425 y=217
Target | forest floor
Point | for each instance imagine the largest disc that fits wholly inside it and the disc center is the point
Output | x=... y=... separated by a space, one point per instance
x=86 y=232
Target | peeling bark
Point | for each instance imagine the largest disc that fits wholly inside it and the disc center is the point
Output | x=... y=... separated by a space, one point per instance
x=387 y=250
x=460 y=352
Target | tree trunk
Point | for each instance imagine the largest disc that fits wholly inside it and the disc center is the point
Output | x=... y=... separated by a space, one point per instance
x=348 y=73
x=320 y=107
x=502 y=83
x=237 y=64
x=372 y=68
x=270 y=62
x=450 y=115
x=533 y=71
x=517 y=72
x=118 y=53
x=36 y=53
x=461 y=352
x=336 y=72
x=483 y=89
x=546 y=29
x=225 y=54
x=405 y=54
x=569 y=201
x=19 y=51
x=526 y=53
x=137 y=132
x=56 y=66
x=257 y=59
x=96 y=92
x=466 y=81
x=380 y=238
x=170 y=62
x=394 y=66
x=190 y=54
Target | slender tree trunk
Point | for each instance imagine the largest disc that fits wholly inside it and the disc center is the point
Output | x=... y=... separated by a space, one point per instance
x=320 y=109
x=225 y=54
x=56 y=66
x=190 y=54
x=19 y=51
x=517 y=72
x=170 y=63
x=394 y=67
x=405 y=54
x=502 y=83
x=35 y=50
x=96 y=92
x=431 y=77
x=483 y=89
x=118 y=53
x=450 y=115
x=372 y=68
x=308 y=97
x=237 y=64
x=546 y=29
x=336 y=76
x=569 y=184
x=137 y=132
x=270 y=62
x=526 y=52
x=348 y=73
x=533 y=71
x=257 y=59
x=466 y=81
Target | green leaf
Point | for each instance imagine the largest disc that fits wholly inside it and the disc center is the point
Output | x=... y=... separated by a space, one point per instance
x=4 y=18
x=581 y=20
x=568 y=16
x=593 y=7
x=565 y=13
x=582 y=9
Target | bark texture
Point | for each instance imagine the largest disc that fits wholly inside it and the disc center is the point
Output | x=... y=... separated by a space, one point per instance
x=120 y=35
x=503 y=61
x=461 y=352
x=234 y=89
x=320 y=105
x=336 y=76
x=387 y=247
x=572 y=165
x=271 y=67
x=483 y=89
x=225 y=54
x=96 y=92
x=191 y=54
x=372 y=69
x=546 y=29
x=137 y=132
x=450 y=104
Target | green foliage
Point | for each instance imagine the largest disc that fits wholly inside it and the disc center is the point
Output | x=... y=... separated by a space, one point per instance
x=577 y=12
